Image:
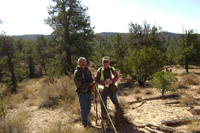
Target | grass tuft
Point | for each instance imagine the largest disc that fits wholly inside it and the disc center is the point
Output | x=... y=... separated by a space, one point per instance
x=15 y=124
x=137 y=90
x=187 y=100
x=194 y=126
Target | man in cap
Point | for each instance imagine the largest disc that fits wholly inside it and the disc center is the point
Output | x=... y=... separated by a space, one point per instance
x=107 y=77
x=84 y=81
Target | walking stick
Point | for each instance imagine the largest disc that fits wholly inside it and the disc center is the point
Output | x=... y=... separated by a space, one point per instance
x=102 y=122
x=95 y=98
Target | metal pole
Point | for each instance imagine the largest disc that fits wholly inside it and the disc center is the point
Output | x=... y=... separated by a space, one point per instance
x=102 y=122
x=95 y=95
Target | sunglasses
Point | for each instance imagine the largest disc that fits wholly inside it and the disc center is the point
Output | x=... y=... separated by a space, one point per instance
x=105 y=61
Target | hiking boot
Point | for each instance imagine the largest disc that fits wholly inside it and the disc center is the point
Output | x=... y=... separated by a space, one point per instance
x=88 y=125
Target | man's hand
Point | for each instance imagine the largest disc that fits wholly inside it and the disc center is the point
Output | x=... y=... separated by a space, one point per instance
x=108 y=82
x=92 y=83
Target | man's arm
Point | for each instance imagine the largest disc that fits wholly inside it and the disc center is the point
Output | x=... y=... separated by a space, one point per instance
x=79 y=81
x=116 y=77
x=97 y=79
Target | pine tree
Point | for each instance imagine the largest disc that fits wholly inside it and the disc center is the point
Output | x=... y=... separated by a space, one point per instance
x=72 y=32
x=29 y=58
x=7 y=61
x=145 y=35
x=119 y=47
x=188 y=49
x=41 y=50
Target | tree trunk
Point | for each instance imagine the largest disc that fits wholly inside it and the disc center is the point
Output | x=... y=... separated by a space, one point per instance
x=176 y=122
x=13 y=78
x=163 y=91
x=141 y=83
x=10 y=64
x=186 y=68
x=155 y=98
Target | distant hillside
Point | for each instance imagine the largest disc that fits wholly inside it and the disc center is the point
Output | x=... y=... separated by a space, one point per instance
x=171 y=34
x=103 y=34
x=30 y=37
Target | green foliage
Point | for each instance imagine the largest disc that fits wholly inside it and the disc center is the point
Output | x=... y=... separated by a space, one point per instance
x=41 y=50
x=101 y=48
x=72 y=34
x=145 y=35
x=118 y=49
x=7 y=62
x=163 y=81
x=188 y=49
x=143 y=63
x=171 y=46
x=29 y=58
x=3 y=111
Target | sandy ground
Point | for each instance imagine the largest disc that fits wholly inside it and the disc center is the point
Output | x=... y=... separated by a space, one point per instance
x=153 y=111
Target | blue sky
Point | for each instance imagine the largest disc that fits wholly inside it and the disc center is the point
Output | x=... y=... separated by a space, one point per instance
x=27 y=16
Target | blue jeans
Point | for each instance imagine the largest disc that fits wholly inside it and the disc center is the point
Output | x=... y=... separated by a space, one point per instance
x=113 y=98
x=85 y=106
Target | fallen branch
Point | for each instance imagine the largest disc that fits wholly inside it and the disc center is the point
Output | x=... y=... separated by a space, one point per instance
x=197 y=99
x=167 y=111
x=175 y=122
x=178 y=102
x=152 y=130
x=155 y=98
x=139 y=105
x=158 y=127
x=174 y=102
x=194 y=111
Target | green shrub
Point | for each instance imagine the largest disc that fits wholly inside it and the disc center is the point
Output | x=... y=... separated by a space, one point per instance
x=163 y=81
x=2 y=109
x=142 y=63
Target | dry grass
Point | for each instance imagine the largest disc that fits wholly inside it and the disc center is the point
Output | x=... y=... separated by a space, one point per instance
x=138 y=97
x=192 y=79
x=148 y=92
x=68 y=128
x=16 y=124
x=136 y=90
x=180 y=84
x=198 y=91
x=74 y=108
x=186 y=81
x=187 y=100
x=42 y=93
x=61 y=92
x=194 y=126
x=23 y=94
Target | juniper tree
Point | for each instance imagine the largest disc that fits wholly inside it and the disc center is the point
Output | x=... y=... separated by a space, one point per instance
x=143 y=63
x=163 y=81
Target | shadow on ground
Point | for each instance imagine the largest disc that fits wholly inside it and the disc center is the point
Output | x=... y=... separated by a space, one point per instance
x=129 y=128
